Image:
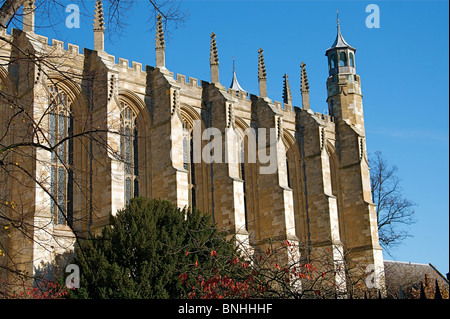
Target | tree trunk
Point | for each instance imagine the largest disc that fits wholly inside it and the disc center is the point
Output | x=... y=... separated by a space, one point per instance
x=7 y=11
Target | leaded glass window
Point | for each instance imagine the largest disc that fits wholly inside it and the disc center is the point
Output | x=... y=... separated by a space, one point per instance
x=288 y=175
x=188 y=162
x=61 y=163
x=241 y=150
x=129 y=151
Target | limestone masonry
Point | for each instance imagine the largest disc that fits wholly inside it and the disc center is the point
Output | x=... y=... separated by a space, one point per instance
x=131 y=133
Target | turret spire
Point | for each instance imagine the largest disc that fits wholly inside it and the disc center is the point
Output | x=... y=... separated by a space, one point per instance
x=337 y=18
x=214 y=60
x=99 y=27
x=262 y=77
x=339 y=42
x=234 y=82
x=160 y=43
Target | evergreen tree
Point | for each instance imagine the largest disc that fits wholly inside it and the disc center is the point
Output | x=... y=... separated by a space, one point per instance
x=152 y=249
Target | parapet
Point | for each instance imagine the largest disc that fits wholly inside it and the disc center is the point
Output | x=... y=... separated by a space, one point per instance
x=284 y=107
x=57 y=45
x=238 y=94
x=324 y=117
x=124 y=65
x=192 y=82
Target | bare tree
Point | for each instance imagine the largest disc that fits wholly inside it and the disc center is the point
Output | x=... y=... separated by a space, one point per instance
x=116 y=10
x=393 y=210
x=29 y=144
x=278 y=271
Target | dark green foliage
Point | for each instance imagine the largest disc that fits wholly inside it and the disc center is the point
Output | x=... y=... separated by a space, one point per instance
x=145 y=250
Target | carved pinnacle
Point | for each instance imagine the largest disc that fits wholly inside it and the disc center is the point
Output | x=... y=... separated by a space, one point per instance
x=304 y=78
x=287 y=96
x=160 y=43
x=213 y=56
x=99 y=20
x=261 y=66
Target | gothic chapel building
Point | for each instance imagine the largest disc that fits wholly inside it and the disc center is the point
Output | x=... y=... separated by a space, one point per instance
x=95 y=132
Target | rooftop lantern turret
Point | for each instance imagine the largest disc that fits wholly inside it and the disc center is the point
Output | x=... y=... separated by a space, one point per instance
x=341 y=55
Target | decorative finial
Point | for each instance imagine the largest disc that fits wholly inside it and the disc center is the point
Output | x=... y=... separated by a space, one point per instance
x=304 y=78
x=287 y=96
x=337 y=17
x=262 y=75
x=304 y=87
x=99 y=19
x=214 y=59
x=160 y=43
x=261 y=66
x=99 y=27
x=213 y=56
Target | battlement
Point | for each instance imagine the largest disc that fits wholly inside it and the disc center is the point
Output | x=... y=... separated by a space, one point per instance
x=4 y=33
x=124 y=64
x=324 y=117
x=58 y=45
x=238 y=94
x=284 y=106
x=181 y=79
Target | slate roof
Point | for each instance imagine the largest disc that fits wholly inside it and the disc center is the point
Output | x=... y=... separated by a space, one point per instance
x=410 y=275
x=340 y=42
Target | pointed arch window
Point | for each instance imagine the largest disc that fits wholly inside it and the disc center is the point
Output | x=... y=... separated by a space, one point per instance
x=288 y=175
x=333 y=60
x=242 y=175
x=352 y=59
x=188 y=162
x=342 y=59
x=61 y=164
x=129 y=151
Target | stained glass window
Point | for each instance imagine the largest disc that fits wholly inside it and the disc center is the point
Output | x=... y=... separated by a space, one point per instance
x=188 y=162
x=287 y=172
x=61 y=173
x=241 y=149
x=129 y=150
x=186 y=143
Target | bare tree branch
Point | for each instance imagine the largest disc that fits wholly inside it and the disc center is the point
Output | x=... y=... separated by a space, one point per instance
x=393 y=211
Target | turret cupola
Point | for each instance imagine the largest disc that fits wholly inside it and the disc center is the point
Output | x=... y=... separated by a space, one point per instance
x=341 y=55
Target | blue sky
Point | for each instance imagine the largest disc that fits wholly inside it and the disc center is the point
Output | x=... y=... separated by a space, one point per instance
x=403 y=67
